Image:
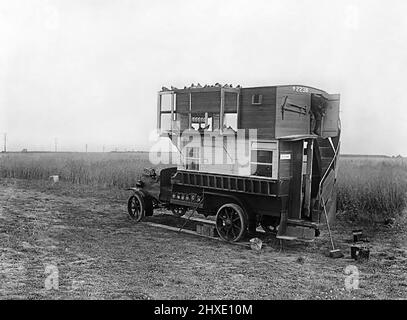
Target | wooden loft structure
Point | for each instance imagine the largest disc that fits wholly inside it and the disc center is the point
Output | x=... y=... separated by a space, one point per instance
x=277 y=112
x=280 y=114
x=191 y=108
x=291 y=174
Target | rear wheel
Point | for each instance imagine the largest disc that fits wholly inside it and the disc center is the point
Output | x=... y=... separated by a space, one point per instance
x=136 y=207
x=231 y=222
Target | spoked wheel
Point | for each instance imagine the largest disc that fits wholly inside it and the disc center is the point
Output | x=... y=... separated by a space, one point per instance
x=136 y=207
x=179 y=211
x=231 y=222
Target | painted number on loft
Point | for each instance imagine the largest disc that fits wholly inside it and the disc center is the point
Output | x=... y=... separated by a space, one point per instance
x=300 y=89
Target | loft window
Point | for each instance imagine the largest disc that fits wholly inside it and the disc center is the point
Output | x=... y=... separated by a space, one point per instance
x=230 y=121
x=165 y=121
x=166 y=102
x=167 y=110
x=192 y=158
x=257 y=99
x=263 y=159
x=262 y=163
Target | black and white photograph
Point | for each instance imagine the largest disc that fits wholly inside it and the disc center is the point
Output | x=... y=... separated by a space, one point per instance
x=203 y=150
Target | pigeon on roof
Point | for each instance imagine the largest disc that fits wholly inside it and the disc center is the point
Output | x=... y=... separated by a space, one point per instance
x=165 y=89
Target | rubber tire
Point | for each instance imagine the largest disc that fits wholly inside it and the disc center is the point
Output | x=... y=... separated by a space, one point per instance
x=140 y=198
x=243 y=220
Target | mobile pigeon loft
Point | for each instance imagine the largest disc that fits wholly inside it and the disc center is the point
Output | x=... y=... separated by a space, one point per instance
x=276 y=147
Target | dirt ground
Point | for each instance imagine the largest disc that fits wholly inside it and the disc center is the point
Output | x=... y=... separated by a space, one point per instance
x=79 y=240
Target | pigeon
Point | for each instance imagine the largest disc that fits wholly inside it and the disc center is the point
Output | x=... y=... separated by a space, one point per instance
x=217 y=84
x=198 y=85
x=165 y=89
x=174 y=88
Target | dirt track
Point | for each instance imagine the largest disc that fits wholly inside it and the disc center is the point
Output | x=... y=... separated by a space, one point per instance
x=98 y=253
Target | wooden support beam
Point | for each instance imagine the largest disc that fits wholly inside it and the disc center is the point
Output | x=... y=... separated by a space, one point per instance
x=308 y=178
x=222 y=109
x=159 y=111
x=190 y=111
x=238 y=110
x=172 y=110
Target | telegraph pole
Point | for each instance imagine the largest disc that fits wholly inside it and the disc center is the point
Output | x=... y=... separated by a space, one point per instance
x=86 y=147
x=5 y=142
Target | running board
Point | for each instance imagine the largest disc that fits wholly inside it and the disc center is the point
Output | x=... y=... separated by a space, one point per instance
x=203 y=221
x=190 y=232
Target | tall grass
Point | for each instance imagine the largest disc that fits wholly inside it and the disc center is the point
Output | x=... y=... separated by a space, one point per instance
x=368 y=188
x=372 y=189
x=101 y=169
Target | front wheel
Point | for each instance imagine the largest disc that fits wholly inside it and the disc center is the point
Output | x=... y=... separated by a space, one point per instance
x=231 y=222
x=136 y=207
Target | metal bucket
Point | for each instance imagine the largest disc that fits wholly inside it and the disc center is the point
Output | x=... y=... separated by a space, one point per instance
x=256 y=244
x=54 y=178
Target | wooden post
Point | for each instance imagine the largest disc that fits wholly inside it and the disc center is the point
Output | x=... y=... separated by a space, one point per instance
x=159 y=111
x=308 y=178
x=172 y=111
x=190 y=111
x=222 y=109
x=238 y=109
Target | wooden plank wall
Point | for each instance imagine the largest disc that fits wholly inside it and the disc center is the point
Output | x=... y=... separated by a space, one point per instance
x=261 y=117
x=294 y=211
x=292 y=123
x=230 y=102
x=182 y=102
x=285 y=166
x=206 y=101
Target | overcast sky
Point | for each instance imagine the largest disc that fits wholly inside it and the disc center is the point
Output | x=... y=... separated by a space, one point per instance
x=87 y=72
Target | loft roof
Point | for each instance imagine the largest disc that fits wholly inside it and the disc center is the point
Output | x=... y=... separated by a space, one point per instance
x=228 y=87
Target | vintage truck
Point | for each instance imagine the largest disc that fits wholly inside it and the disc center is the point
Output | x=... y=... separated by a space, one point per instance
x=277 y=149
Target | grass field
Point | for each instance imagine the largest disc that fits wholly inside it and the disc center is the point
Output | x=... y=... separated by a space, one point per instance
x=369 y=188
x=372 y=189
x=80 y=228
x=98 y=169
x=84 y=234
